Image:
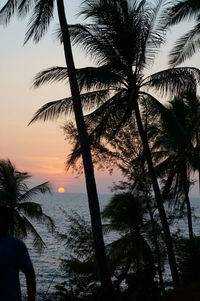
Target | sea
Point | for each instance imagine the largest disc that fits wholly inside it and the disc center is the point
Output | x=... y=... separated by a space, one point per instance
x=58 y=206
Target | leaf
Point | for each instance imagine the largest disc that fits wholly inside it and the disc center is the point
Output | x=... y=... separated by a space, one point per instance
x=40 y=20
x=8 y=11
x=55 y=109
x=50 y=75
x=182 y=10
x=185 y=47
x=174 y=81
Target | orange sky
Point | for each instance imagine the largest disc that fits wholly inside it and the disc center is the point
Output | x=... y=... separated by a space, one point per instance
x=41 y=148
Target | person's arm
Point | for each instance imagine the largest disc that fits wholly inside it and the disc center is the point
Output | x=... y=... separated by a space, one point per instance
x=31 y=283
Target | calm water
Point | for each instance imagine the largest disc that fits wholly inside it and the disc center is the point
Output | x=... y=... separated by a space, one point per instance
x=47 y=264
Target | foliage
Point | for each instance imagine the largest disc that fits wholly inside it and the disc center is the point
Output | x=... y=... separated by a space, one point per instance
x=122 y=48
x=129 y=253
x=178 y=159
x=80 y=268
x=189 y=43
x=16 y=194
x=188 y=257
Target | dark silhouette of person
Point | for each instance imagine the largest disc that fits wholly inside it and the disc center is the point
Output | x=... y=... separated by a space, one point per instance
x=14 y=257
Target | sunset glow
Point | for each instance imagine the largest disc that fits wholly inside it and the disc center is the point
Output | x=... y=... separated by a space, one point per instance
x=61 y=190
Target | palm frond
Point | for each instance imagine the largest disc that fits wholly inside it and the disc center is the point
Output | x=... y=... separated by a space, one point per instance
x=12 y=182
x=157 y=108
x=93 y=41
x=88 y=77
x=124 y=211
x=98 y=77
x=8 y=11
x=42 y=188
x=18 y=228
x=63 y=107
x=174 y=81
x=34 y=211
x=130 y=246
x=40 y=20
x=185 y=47
x=182 y=10
x=154 y=34
x=53 y=110
x=24 y=7
x=38 y=242
x=53 y=74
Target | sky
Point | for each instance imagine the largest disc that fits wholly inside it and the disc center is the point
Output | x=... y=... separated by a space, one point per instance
x=41 y=148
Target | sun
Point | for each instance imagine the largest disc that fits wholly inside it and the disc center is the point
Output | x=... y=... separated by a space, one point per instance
x=61 y=190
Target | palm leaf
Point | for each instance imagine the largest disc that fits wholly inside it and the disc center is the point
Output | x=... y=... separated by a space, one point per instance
x=185 y=47
x=34 y=211
x=40 y=20
x=174 y=81
x=50 y=75
x=8 y=11
x=93 y=40
x=38 y=242
x=129 y=246
x=124 y=211
x=88 y=78
x=42 y=188
x=53 y=110
x=63 y=107
x=24 y=7
x=157 y=108
x=182 y=10
x=18 y=228
x=154 y=35
x=98 y=77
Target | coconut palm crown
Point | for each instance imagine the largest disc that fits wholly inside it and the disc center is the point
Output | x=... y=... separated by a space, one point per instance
x=123 y=39
x=178 y=160
x=16 y=194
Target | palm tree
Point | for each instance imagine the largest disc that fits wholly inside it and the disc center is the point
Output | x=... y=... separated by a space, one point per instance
x=179 y=158
x=16 y=194
x=189 y=43
x=123 y=39
x=132 y=255
x=38 y=25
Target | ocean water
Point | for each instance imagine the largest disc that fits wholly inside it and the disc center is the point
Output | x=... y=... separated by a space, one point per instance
x=56 y=205
x=47 y=264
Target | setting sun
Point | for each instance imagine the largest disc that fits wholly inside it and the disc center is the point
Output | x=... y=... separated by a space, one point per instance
x=61 y=190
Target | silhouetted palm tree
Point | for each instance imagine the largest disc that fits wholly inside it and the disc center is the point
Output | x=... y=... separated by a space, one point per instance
x=38 y=25
x=16 y=194
x=189 y=43
x=179 y=158
x=126 y=214
x=123 y=39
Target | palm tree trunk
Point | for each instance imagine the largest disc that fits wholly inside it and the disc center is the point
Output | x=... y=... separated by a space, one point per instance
x=157 y=249
x=189 y=217
x=197 y=147
x=187 y=201
x=86 y=155
x=162 y=213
